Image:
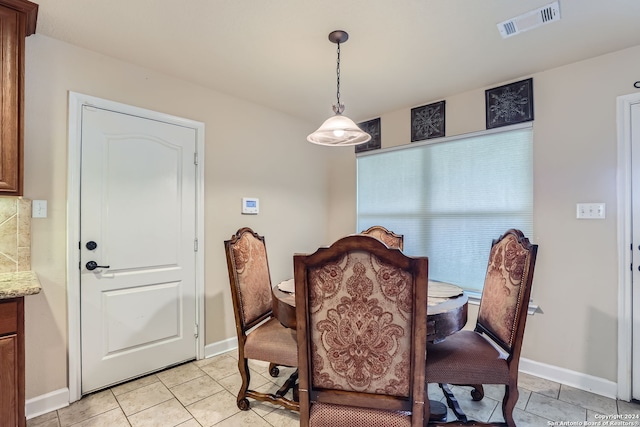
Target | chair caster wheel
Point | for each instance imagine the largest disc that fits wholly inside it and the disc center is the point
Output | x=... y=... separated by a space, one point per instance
x=243 y=404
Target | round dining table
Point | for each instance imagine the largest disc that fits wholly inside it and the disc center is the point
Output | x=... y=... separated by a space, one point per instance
x=446 y=308
x=446 y=315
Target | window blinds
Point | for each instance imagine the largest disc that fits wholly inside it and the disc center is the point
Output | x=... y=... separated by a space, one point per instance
x=450 y=199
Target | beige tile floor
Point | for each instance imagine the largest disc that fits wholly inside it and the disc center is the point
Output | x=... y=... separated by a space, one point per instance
x=202 y=393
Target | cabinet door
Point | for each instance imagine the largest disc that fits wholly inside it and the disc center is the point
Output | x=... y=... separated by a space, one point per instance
x=12 y=45
x=9 y=380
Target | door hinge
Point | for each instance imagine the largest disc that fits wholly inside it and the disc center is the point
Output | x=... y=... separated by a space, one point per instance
x=195 y=331
x=195 y=159
x=195 y=245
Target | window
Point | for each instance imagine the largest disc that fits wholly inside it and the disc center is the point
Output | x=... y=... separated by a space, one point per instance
x=450 y=198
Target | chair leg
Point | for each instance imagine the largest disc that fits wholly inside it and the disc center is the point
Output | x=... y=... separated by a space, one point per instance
x=241 y=400
x=275 y=398
x=288 y=385
x=509 y=402
x=478 y=392
x=452 y=402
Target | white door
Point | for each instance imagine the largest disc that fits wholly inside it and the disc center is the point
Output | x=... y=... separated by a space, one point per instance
x=137 y=254
x=635 y=288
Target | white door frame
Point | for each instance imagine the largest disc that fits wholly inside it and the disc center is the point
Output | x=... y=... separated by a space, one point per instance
x=76 y=101
x=625 y=308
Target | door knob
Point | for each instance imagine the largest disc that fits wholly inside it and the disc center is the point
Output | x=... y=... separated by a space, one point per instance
x=92 y=265
x=91 y=245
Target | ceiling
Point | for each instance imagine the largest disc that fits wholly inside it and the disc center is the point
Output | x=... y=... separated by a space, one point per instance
x=400 y=53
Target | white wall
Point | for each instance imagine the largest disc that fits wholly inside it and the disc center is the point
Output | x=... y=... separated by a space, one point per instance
x=307 y=193
x=576 y=279
x=250 y=151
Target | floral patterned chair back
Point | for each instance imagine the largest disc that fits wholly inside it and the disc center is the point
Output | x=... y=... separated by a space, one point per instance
x=507 y=287
x=389 y=238
x=250 y=268
x=471 y=357
x=260 y=334
x=361 y=310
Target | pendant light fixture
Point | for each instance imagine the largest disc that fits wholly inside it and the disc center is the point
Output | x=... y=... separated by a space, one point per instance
x=338 y=130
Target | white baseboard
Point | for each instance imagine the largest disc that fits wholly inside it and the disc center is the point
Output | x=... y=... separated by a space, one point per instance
x=220 y=347
x=46 y=403
x=571 y=378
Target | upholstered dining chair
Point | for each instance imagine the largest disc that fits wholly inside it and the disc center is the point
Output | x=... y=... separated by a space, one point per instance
x=361 y=311
x=268 y=340
x=490 y=354
x=390 y=238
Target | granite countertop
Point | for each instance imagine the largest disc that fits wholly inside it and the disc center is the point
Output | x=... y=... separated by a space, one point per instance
x=19 y=284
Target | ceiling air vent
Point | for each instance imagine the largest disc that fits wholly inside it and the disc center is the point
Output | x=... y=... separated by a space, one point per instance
x=530 y=20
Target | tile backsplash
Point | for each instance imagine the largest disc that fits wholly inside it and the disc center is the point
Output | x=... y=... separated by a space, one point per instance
x=15 y=234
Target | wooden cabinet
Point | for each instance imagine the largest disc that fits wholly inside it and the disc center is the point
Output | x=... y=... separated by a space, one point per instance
x=17 y=21
x=12 y=363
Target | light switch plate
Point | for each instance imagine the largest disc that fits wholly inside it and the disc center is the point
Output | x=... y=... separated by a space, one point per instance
x=39 y=209
x=590 y=211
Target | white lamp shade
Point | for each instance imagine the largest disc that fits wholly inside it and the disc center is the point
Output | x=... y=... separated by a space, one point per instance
x=339 y=131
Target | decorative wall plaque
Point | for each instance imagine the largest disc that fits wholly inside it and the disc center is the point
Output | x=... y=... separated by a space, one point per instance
x=509 y=104
x=427 y=121
x=372 y=127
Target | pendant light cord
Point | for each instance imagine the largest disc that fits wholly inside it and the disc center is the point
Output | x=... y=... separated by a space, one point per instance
x=338 y=108
x=338 y=75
